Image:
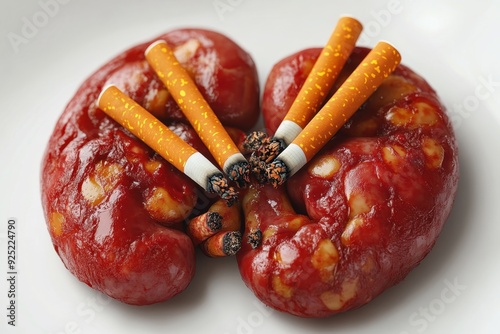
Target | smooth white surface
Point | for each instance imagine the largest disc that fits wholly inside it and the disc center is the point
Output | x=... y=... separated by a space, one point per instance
x=453 y=44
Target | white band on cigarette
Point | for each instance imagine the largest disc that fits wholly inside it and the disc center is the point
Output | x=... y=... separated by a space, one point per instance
x=200 y=169
x=233 y=160
x=287 y=131
x=293 y=157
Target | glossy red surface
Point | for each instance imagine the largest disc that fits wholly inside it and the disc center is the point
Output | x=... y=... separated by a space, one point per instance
x=105 y=193
x=376 y=196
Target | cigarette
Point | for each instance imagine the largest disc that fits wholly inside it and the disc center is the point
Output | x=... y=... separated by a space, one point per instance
x=233 y=221
x=366 y=78
x=218 y=218
x=198 y=112
x=254 y=237
x=204 y=226
x=226 y=243
x=164 y=141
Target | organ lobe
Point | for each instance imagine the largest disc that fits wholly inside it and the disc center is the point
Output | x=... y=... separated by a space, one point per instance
x=114 y=208
x=371 y=203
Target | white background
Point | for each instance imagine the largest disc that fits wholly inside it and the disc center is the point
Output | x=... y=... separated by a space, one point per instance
x=453 y=44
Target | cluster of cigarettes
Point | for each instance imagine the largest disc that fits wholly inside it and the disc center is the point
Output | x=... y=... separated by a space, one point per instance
x=217 y=231
x=303 y=132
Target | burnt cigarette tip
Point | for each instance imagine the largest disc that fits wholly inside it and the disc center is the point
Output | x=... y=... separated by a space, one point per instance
x=258 y=168
x=214 y=221
x=276 y=146
x=255 y=238
x=240 y=173
x=277 y=172
x=219 y=185
x=269 y=150
x=231 y=243
x=253 y=141
x=263 y=155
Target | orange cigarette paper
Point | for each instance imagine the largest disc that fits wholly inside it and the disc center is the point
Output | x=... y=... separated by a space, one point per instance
x=145 y=126
x=325 y=71
x=186 y=94
x=225 y=243
x=231 y=215
x=365 y=79
x=218 y=218
x=204 y=226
